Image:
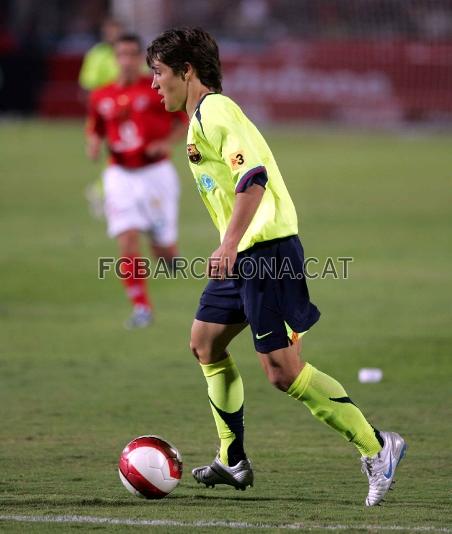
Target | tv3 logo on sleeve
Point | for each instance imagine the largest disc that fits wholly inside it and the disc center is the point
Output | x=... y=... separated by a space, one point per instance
x=237 y=159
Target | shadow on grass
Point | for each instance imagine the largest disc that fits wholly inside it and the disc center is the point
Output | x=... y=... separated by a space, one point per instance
x=128 y=503
x=243 y=498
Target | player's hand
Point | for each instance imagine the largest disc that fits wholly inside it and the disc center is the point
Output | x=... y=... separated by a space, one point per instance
x=158 y=149
x=221 y=262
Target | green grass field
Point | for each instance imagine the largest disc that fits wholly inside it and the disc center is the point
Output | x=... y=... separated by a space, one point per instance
x=75 y=387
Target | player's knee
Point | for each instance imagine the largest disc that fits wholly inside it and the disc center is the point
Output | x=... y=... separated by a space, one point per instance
x=194 y=349
x=280 y=384
x=279 y=380
x=201 y=351
x=206 y=353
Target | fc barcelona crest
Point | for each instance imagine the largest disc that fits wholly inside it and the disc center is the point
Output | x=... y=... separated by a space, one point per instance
x=193 y=154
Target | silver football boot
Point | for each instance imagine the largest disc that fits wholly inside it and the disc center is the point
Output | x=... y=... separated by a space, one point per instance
x=380 y=469
x=141 y=318
x=240 y=475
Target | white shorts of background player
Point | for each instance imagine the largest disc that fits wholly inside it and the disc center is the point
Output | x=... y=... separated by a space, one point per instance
x=145 y=199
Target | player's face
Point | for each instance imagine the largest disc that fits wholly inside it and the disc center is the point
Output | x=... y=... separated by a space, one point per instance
x=130 y=59
x=170 y=86
x=111 y=30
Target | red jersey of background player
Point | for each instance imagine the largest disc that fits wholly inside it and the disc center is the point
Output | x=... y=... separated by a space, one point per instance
x=130 y=117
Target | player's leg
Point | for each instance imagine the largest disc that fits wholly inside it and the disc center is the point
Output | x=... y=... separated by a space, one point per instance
x=124 y=223
x=209 y=342
x=135 y=286
x=269 y=303
x=219 y=318
x=167 y=252
x=328 y=401
x=323 y=395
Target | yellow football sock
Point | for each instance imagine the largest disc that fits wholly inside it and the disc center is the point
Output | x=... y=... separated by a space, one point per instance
x=225 y=390
x=329 y=402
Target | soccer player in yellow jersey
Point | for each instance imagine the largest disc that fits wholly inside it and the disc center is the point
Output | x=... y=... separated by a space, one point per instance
x=99 y=68
x=100 y=65
x=257 y=276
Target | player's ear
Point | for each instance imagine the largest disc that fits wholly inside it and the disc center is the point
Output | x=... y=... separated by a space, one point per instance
x=187 y=72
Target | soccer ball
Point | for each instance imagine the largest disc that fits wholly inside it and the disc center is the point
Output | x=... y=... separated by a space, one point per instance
x=150 y=467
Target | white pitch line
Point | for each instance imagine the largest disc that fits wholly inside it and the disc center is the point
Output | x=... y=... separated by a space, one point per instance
x=201 y=524
x=205 y=524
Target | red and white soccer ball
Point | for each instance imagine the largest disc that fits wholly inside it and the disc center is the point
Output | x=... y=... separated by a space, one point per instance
x=150 y=467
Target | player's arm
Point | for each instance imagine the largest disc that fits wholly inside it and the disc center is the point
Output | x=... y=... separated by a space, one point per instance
x=248 y=174
x=162 y=147
x=93 y=145
x=94 y=132
x=245 y=206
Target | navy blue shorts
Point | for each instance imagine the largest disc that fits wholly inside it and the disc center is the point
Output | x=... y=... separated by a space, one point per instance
x=268 y=291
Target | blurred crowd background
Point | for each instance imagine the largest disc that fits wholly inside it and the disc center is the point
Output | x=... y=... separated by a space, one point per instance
x=353 y=61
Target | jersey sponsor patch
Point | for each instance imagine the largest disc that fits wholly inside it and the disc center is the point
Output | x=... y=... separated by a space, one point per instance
x=237 y=159
x=206 y=183
x=193 y=153
x=106 y=107
x=141 y=102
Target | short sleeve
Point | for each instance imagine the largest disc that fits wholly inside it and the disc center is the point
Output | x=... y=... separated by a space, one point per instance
x=229 y=132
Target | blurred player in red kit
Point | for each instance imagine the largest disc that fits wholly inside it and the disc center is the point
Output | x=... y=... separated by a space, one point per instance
x=140 y=183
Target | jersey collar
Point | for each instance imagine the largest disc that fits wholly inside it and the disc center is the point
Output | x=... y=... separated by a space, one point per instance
x=197 y=112
x=201 y=100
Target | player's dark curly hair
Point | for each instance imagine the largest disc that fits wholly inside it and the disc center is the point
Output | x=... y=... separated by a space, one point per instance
x=177 y=47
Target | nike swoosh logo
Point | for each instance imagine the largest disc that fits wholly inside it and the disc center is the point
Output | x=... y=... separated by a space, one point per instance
x=264 y=335
x=389 y=472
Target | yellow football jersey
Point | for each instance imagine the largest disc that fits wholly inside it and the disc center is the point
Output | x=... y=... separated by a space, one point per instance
x=227 y=153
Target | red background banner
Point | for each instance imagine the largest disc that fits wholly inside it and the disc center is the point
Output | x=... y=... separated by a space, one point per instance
x=353 y=81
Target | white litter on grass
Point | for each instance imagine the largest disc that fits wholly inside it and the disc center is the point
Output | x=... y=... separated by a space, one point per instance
x=208 y=524
x=370 y=375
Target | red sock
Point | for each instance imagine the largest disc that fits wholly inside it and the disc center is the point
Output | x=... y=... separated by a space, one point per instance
x=135 y=287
